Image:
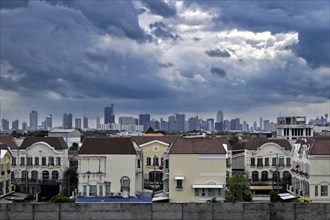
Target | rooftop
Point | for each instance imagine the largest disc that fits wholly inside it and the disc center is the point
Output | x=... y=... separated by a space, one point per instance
x=57 y=142
x=255 y=143
x=199 y=145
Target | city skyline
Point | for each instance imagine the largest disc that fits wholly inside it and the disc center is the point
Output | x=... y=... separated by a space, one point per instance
x=249 y=59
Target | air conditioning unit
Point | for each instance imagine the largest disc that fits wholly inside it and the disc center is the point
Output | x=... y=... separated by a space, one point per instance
x=112 y=194
x=119 y=194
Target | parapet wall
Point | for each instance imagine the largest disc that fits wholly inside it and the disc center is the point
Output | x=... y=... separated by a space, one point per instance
x=104 y=211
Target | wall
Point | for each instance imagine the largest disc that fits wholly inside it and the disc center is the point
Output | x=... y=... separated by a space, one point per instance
x=256 y=211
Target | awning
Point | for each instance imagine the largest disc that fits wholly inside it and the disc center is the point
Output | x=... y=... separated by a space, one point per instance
x=286 y=196
x=209 y=186
x=160 y=199
x=179 y=177
x=261 y=187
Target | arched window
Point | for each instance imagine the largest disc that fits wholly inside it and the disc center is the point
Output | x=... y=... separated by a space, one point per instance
x=276 y=176
x=255 y=176
x=45 y=175
x=55 y=175
x=264 y=176
x=24 y=175
x=124 y=182
x=34 y=175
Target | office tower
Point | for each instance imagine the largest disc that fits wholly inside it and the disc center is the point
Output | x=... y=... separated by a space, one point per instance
x=210 y=124
x=98 y=122
x=85 y=122
x=261 y=127
x=219 y=116
x=109 y=114
x=180 y=119
x=77 y=123
x=245 y=126
x=15 y=124
x=226 y=124
x=163 y=125
x=144 y=119
x=67 y=121
x=266 y=125
x=49 y=122
x=24 y=126
x=193 y=123
x=154 y=124
x=254 y=125
x=124 y=120
x=172 y=124
x=33 y=120
x=235 y=124
x=5 y=124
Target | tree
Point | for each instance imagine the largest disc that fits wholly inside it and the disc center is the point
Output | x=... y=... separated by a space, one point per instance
x=150 y=130
x=238 y=189
x=71 y=178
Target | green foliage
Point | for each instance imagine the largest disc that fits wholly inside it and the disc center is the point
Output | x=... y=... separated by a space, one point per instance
x=302 y=200
x=61 y=199
x=274 y=197
x=74 y=147
x=285 y=181
x=233 y=139
x=238 y=188
x=41 y=133
x=19 y=188
x=150 y=130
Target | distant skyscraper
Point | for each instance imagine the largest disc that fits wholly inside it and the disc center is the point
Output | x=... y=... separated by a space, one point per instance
x=77 y=123
x=219 y=116
x=144 y=119
x=180 y=119
x=255 y=126
x=49 y=122
x=124 y=120
x=235 y=124
x=85 y=122
x=67 y=121
x=245 y=126
x=98 y=122
x=109 y=114
x=154 y=124
x=5 y=124
x=260 y=123
x=15 y=124
x=193 y=123
x=210 y=124
x=33 y=120
x=24 y=126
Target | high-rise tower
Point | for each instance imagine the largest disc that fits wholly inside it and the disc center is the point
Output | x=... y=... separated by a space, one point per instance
x=109 y=114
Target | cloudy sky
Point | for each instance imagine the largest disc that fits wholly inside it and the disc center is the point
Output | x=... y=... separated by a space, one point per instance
x=247 y=58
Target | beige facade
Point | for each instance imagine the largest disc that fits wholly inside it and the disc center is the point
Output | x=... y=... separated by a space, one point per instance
x=5 y=171
x=203 y=177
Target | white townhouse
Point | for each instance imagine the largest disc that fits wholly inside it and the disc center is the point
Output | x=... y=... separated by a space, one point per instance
x=109 y=167
x=195 y=170
x=311 y=169
x=5 y=169
x=39 y=165
x=70 y=136
x=267 y=161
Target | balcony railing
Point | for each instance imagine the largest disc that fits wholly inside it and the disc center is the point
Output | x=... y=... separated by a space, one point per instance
x=37 y=181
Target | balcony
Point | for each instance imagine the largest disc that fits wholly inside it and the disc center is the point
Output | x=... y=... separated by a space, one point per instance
x=38 y=181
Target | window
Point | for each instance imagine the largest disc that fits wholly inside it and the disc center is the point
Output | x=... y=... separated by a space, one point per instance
x=316 y=191
x=100 y=190
x=276 y=176
x=107 y=189
x=138 y=163
x=253 y=163
x=125 y=182
x=255 y=176
x=211 y=192
x=264 y=176
x=324 y=190
x=203 y=192
x=84 y=190
x=58 y=161
x=24 y=175
x=267 y=161
x=34 y=175
x=43 y=161
x=179 y=184
x=55 y=175
x=259 y=162
x=29 y=161
x=281 y=162
x=274 y=161
x=36 y=161
x=45 y=175
x=288 y=162
x=13 y=162
x=155 y=161
x=22 y=161
x=50 y=161
x=148 y=161
x=196 y=192
x=92 y=190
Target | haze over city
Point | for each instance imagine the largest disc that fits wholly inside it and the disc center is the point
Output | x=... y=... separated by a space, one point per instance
x=249 y=59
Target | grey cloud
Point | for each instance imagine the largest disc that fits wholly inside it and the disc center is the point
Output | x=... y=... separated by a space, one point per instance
x=161 y=30
x=160 y=8
x=217 y=53
x=217 y=71
x=11 y=4
x=165 y=65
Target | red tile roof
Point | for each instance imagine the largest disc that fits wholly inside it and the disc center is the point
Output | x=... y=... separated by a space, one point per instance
x=9 y=141
x=320 y=146
x=255 y=143
x=205 y=145
x=57 y=142
x=108 y=145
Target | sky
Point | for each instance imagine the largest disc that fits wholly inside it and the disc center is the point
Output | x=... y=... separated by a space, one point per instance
x=249 y=59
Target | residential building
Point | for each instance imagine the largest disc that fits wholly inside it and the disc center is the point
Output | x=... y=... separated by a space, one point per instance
x=210 y=124
x=109 y=167
x=5 y=124
x=85 y=122
x=49 y=122
x=98 y=123
x=125 y=120
x=33 y=120
x=144 y=119
x=40 y=165
x=311 y=169
x=293 y=127
x=267 y=161
x=15 y=124
x=24 y=126
x=77 y=123
x=70 y=136
x=67 y=121
x=195 y=170
x=5 y=169
x=109 y=114
x=220 y=116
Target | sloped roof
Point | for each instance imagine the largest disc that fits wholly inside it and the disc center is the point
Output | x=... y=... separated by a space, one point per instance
x=107 y=145
x=320 y=146
x=57 y=142
x=145 y=139
x=3 y=149
x=200 y=145
x=8 y=140
x=255 y=143
x=224 y=140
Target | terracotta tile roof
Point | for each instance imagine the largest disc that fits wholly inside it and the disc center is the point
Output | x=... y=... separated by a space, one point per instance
x=57 y=142
x=320 y=146
x=225 y=140
x=145 y=139
x=200 y=145
x=110 y=145
x=9 y=141
x=255 y=143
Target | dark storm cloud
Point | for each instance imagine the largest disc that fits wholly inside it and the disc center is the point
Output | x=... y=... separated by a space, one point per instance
x=11 y=4
x=161 y=30
x=217 y=53
x=217 y=71
x=160 y=8
x=165 y=65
